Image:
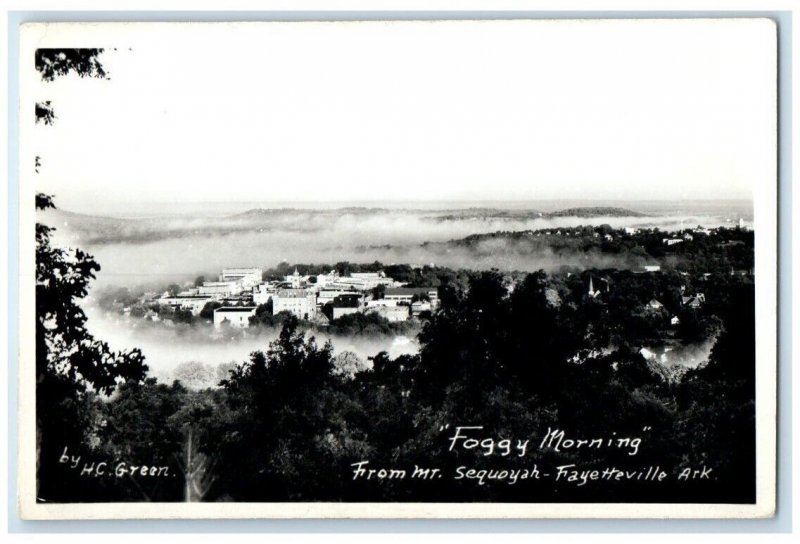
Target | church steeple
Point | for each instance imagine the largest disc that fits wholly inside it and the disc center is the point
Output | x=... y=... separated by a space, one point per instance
x=592 y=292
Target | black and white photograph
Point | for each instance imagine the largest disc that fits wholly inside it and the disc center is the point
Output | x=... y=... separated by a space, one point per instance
x=498 y=269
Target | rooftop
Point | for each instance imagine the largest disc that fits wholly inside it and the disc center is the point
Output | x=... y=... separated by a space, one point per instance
x=409 y=290
x=241 y=270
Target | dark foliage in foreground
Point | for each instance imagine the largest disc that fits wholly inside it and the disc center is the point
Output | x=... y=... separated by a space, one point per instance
x=286 y=426
x=51 y=63
x=71 y=365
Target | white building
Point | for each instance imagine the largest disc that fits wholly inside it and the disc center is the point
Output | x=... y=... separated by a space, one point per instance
x=295 y=280
x=381 y=303
x=404 y=295
x=363 y=281
x=222 y=288
x=299 y=302
x=340 y=311
x=264 y=292
x=328 y=295
x=236 y=316
x=647 y=354
x=193 y=303
x=248 y=277
x=261 y=297
x=347 y=282
x=187 y=292
x=419 y=307
x=349 y=303
x=324 y=280
x=367 y=275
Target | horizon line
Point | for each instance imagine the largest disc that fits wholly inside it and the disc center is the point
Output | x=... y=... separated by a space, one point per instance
x=428 y=201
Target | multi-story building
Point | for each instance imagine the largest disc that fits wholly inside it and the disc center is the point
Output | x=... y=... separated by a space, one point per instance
x=236 y=316
x=248 y=277
x=404 y=295
x=328 y=295
x=349 y=303
x=299 y=302
x=264 y=292
x=363 y=281
x=222 y=288
x=193 y=303
x=380 y=303
x=261 y=296
x=339 y=311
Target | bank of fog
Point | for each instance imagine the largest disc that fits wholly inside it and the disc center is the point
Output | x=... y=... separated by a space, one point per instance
x=392 y=239
x=199 y=359
x=396 y=238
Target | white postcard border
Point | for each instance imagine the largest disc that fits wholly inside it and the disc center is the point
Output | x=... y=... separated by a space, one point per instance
x=765 y=227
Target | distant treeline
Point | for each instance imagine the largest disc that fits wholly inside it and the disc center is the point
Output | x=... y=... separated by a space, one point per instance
x=528 y=214
x=696 y=252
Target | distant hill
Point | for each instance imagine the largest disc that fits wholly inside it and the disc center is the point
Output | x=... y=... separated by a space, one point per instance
x=595 y=211
x=100 y=230
x=439 y=215
x=529 y=214
x=82 y=222
x=272 y=212
x=482 y=213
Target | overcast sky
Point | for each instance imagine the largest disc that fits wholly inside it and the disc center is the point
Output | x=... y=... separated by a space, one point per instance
x=413 y=111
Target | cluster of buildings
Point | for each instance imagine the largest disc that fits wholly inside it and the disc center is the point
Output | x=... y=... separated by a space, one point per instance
x=596 y=291
x=239 y=292
x=230 y=285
